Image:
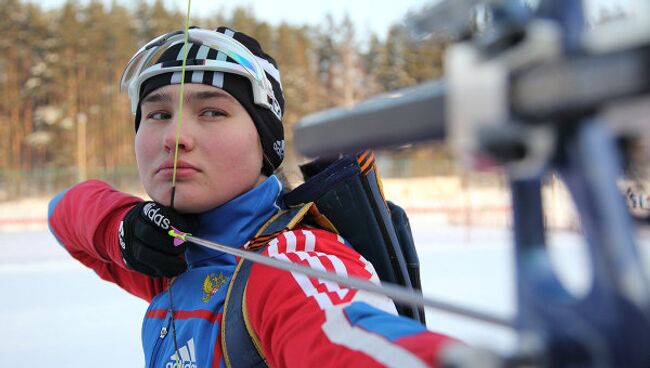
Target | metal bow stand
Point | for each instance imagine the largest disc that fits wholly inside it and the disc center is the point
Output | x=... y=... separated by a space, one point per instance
x=533 y=92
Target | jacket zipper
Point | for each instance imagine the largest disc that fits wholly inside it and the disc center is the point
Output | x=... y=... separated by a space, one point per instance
x=164 y=331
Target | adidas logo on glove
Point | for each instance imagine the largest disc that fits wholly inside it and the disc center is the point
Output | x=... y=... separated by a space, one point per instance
x=151 y=212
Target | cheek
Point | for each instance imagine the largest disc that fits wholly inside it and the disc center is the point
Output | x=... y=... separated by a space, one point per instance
x=253 y=153
x=145 y=149
x=141 y=148
x=238 y=149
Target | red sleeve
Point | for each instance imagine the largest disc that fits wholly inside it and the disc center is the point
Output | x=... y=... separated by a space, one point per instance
x=304 y=322
x=85 y=220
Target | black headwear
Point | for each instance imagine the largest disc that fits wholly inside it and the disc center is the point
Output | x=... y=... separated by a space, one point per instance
x=268 y=125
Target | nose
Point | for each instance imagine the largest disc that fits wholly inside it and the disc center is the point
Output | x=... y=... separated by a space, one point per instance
x=183 y=130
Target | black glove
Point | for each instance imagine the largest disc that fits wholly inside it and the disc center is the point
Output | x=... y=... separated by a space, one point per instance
x=145 y=243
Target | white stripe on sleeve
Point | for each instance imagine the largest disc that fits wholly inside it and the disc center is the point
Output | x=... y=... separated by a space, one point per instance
x=290 y=237
x=308 y=288
x=310 y=241
x=339 y=330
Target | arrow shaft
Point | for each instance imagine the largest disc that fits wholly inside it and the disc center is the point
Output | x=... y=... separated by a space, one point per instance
x=395 y=292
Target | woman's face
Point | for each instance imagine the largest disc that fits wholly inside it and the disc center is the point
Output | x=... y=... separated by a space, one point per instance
x=219 y=151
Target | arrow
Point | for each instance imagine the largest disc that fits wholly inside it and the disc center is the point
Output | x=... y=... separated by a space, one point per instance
x=394 y=291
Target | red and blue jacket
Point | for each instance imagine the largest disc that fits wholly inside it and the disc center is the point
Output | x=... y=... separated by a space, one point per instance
x=300 y=321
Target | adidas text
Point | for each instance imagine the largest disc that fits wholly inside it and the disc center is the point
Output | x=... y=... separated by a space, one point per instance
x=187 y=356
x=151 y=212
x=121 y=237
x=182 y=365
x=278 y=146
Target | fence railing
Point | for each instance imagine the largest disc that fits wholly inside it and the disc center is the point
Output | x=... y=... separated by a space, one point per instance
x=17 y=184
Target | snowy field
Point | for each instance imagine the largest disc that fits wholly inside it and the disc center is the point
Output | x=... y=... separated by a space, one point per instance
x=56 y=313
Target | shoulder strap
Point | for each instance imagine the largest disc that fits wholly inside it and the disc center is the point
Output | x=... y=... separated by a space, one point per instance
x=240 y=347
x=240 y=344
x=282 y=221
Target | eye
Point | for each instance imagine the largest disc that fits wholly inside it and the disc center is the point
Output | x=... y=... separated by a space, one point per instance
x=159 y=115
x=213 y=113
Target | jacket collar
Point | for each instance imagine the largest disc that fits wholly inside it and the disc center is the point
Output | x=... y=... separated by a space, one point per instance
x=235 y=222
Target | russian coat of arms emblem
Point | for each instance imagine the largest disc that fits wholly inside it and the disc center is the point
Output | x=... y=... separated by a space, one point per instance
x=211 y=285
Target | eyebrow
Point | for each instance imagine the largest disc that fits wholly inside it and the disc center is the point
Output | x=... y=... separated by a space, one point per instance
x=157 y=97
x=206 y=95
x=189 y=96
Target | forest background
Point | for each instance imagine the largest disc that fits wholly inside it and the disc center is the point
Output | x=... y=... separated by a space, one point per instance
x=63 y=118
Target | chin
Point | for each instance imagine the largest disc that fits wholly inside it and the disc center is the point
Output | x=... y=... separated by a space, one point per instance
x=184 y=201
x=194 y=208
x=195 y=205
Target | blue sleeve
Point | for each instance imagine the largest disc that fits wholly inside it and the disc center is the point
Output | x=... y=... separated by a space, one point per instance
x=50 y=210
x=389 y=326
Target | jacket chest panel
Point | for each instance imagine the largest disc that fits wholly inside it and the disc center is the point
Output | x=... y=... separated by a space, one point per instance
x=197 y=298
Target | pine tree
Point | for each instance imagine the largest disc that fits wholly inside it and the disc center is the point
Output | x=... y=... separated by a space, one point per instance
x=67 y=68
x=12 y=14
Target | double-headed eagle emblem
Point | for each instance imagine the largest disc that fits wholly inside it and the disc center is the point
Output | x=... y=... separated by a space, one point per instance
x=211 y=285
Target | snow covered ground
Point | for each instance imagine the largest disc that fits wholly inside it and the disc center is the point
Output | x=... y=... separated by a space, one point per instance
x=56 y=313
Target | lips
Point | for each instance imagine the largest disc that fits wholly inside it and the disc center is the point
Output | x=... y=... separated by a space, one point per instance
x=183 y=169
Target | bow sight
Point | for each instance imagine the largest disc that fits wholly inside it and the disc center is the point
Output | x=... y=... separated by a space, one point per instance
x=538 y=93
